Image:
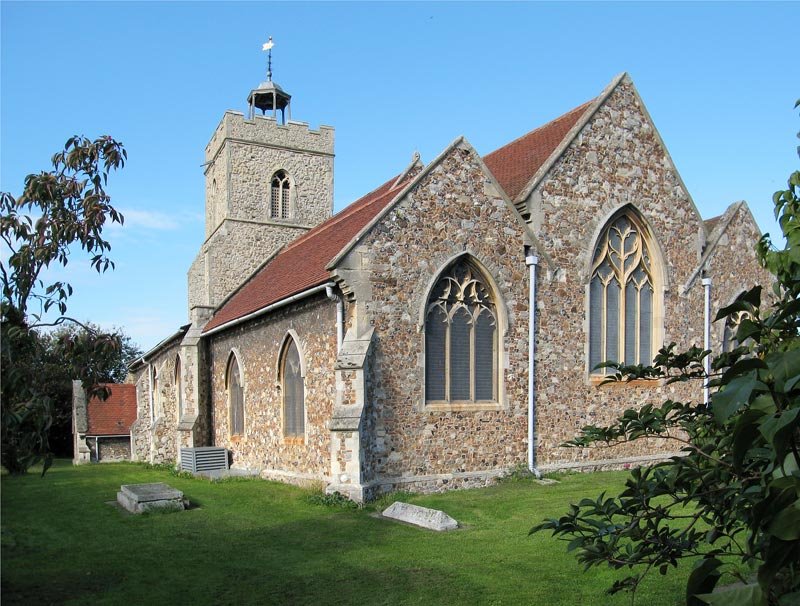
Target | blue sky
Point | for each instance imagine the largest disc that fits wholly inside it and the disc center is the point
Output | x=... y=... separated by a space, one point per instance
x=719 y=80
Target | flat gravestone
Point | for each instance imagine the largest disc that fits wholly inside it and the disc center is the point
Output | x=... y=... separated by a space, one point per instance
x=420 y=516
x=138 y=498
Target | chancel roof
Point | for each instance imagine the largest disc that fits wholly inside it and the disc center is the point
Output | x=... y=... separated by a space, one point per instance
x=515 y=164
x=301 y=265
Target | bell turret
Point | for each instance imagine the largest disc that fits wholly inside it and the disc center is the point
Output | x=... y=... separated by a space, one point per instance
x=269 y=96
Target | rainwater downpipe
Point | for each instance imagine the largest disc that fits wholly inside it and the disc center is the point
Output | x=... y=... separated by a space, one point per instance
x=339 y=316
x=532 y=261
x=706 y=336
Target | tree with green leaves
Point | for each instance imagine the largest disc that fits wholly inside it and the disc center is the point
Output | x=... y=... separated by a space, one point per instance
x=731 y=503
x=58 y=211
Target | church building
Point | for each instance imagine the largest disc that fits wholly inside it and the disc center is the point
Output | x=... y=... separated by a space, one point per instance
x=445 y=327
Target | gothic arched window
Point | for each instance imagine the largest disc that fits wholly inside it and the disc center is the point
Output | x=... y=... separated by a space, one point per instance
x=235 y=396
x=729 y=333
x=461 y=338
x=178 y=386
x=621 y=295
x=294 y=410
x=279 y=195
x=155 y=395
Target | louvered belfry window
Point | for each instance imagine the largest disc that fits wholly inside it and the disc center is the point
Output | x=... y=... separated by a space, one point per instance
x=235 y=397
x=621 y=296
x=461 y=338
x=279 y=196
x=293 y=392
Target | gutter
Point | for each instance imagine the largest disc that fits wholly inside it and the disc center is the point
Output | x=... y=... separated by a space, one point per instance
x=269 y=308
x=532 y=261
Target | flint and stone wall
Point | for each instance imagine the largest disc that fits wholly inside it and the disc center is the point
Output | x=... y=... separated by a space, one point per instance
x=241 y=157
x=257 y=345
x=406 y=443
x=154 y=434
x=733 y=265
x=616 y=160
x=110 y=449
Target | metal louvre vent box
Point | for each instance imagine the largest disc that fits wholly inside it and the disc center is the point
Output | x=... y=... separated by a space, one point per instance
x=204 y=458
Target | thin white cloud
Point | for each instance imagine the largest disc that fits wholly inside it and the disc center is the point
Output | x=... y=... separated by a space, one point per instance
x=148 y=219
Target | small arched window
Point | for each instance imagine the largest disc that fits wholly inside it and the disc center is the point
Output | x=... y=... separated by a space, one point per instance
x=178 y=386
x=621 y=295
x=235 y=396
x=155 y=395
x=294 y=410
x=279 y=195
x=461 y=342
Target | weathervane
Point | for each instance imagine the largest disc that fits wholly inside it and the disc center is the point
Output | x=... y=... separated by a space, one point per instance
x=268 y=47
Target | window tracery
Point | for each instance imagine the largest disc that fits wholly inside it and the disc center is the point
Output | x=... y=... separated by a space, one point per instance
x=732 y=323
x=461 y=338
x=621 y=296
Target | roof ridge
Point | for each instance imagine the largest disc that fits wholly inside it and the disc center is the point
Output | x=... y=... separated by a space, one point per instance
x=583 y=106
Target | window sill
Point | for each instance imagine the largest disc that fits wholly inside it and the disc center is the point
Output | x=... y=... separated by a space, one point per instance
x=294 y=440
x=597 y=380
x=441 y=406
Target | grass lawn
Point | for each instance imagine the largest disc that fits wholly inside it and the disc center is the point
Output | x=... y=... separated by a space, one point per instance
x=257 y=542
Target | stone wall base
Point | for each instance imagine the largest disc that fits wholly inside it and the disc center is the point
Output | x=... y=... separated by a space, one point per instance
x=305 y=480
x=608 y=464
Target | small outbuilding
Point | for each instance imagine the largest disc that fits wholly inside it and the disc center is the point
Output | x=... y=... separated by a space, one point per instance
x=101 y=429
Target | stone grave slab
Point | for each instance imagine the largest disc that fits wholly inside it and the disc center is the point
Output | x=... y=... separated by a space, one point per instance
x=138 y=498
x=424 y=517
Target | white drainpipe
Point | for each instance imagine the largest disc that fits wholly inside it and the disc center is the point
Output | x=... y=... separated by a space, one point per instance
x=707 y=336
x=339 y=316
x=532 y=261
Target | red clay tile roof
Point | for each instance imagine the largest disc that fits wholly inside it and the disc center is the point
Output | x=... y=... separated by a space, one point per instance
x=113 y=416
x=301 y=265
x=514 y=164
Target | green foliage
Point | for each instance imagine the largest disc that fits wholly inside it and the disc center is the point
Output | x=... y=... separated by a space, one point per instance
x=334 y=499
x=732 y=501
x=57 y=211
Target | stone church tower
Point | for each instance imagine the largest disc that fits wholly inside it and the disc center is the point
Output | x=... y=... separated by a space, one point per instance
x=268 y=181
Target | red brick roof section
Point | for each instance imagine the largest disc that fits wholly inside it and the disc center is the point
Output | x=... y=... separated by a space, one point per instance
x=301 y=265
x=515 y=164
x=115 y=415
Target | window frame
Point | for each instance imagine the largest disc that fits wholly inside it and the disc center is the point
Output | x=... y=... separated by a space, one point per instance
x=290 y=339
x=481 y=274
x=235 y=358
x=178 y=385
x=284 y=211
x=657 y=281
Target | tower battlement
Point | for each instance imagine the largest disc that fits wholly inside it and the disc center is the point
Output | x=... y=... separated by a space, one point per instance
x=267 y=131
